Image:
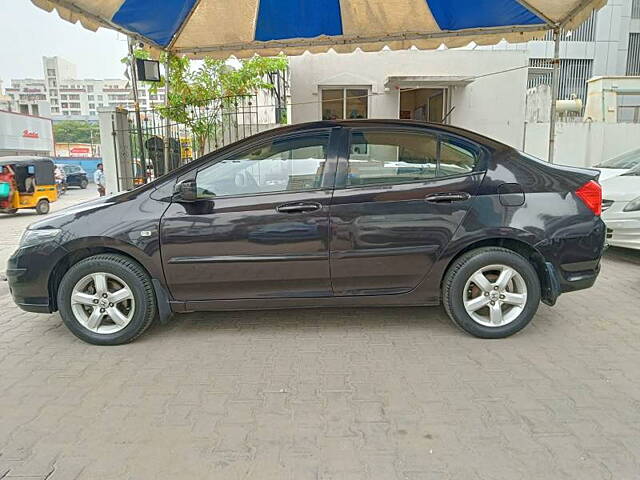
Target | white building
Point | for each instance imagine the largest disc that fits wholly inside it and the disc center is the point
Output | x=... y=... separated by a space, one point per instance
x=70 y=98
x=22 y=134
x=459 y=87
x=607 y=44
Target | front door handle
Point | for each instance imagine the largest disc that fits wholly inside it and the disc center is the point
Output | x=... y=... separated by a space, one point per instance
x=298 y=207
x=447 y=197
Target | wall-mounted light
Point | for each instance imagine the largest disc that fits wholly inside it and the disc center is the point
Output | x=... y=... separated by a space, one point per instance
x=148 y=70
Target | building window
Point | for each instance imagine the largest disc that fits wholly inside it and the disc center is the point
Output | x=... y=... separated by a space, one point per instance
x=92 y=105
x=635 y=9
x=24 y=109
x=341 y=103
x=585 y=32
x=574 y=73
x=90 y=98
x=628 y=107
x=63 y=97
x=90 y=88
x=55 y=110
x=51 y=72
x=65 y=105
x=53 y=93
x=99 y=98
x=633 y=54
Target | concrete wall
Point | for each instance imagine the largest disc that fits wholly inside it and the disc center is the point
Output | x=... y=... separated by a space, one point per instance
x=583 y=144
x=475 y=104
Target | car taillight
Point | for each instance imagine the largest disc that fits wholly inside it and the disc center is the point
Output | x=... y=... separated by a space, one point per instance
x=591 y=194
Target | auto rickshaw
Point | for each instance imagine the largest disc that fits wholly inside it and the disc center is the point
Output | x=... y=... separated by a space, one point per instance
x=33 y=186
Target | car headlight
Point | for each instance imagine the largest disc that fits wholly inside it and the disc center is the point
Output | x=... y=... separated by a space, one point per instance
x=35 y=237
x=632 y=206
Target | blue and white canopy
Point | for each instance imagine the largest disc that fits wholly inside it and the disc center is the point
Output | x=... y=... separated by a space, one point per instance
x=267 y=27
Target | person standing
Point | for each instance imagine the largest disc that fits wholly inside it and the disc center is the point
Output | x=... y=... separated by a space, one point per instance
x=7 y=176
x=98 y=178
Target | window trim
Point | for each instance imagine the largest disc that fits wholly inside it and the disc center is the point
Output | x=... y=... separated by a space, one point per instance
x=343 y=164
x=328 y=174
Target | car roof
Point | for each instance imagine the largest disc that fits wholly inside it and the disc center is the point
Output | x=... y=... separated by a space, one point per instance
x=16 y=159
x=382 y=123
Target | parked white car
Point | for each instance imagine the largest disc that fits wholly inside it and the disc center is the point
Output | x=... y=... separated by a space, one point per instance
x=618 y=165
x=621 y=209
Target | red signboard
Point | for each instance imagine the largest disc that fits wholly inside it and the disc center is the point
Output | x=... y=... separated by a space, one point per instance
x=80 y=150
x=30 y=134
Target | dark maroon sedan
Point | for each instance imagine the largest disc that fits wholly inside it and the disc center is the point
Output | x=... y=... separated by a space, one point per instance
x=347 y=213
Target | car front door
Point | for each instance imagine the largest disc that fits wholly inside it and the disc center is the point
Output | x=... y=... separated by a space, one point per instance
x=260 y=225
x=400 y=196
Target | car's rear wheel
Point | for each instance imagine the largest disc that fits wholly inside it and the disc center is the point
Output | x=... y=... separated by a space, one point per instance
x=42 y=207
x=83 y=184
x=491 y=292
x=107 y=299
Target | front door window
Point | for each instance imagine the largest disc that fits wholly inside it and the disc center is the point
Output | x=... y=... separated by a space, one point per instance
x=285 y=165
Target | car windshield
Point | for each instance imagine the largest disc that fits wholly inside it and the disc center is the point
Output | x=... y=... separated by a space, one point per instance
x=634 y=172
x=625 y=161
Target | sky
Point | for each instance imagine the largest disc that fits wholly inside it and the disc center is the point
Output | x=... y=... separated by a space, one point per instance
x=27 y=33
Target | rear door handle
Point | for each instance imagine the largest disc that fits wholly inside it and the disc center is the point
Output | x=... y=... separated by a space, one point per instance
x=447 y=197
x=298 y=207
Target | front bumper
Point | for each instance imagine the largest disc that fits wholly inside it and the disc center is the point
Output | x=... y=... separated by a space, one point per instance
x=623 y=228
x=28 y=273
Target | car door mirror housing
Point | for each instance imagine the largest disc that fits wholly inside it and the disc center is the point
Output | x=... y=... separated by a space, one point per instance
x=186 y=191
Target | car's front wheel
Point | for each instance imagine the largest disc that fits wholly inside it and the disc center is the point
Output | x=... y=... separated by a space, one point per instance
x=107 y=299
x=491 y=292
x=83 y=184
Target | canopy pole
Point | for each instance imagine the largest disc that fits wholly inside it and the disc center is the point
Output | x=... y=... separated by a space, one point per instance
x=555 y=86
x=136 y=106
x=167 y=124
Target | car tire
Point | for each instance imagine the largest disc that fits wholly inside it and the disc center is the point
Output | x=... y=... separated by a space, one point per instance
x=504 y=304
x=117 y=269
x=83 y=184
x=42 y=207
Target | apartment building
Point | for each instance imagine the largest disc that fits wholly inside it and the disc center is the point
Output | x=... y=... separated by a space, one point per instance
x=63 y=96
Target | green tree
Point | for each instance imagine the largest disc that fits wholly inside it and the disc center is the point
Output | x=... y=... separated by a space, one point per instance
x=198 y=96
x=74 y=131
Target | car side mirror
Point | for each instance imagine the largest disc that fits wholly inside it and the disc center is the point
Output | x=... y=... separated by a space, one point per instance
x=186 y=191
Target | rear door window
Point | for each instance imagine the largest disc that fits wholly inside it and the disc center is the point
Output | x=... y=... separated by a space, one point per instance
x=393 y=157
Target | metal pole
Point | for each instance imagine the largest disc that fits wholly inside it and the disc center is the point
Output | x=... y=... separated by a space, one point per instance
x=136 y=105
x=555 y=85
x=91 y=137
x=167 y=124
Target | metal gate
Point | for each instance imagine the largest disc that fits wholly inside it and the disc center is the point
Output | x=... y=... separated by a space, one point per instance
x=209 y=127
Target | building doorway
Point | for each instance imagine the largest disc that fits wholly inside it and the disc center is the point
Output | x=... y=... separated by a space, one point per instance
x=423 y=104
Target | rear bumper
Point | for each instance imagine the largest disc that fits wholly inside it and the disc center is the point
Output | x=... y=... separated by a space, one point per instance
x=571 y=263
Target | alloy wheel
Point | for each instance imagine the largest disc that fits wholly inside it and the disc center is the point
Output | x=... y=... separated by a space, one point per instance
x=102 y=303
x=495 y=295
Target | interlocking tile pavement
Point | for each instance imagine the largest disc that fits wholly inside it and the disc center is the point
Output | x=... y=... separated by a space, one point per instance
x=391 y=393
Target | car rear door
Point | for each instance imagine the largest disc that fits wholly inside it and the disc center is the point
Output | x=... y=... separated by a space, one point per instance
x=400 y=195
x=260 y=227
